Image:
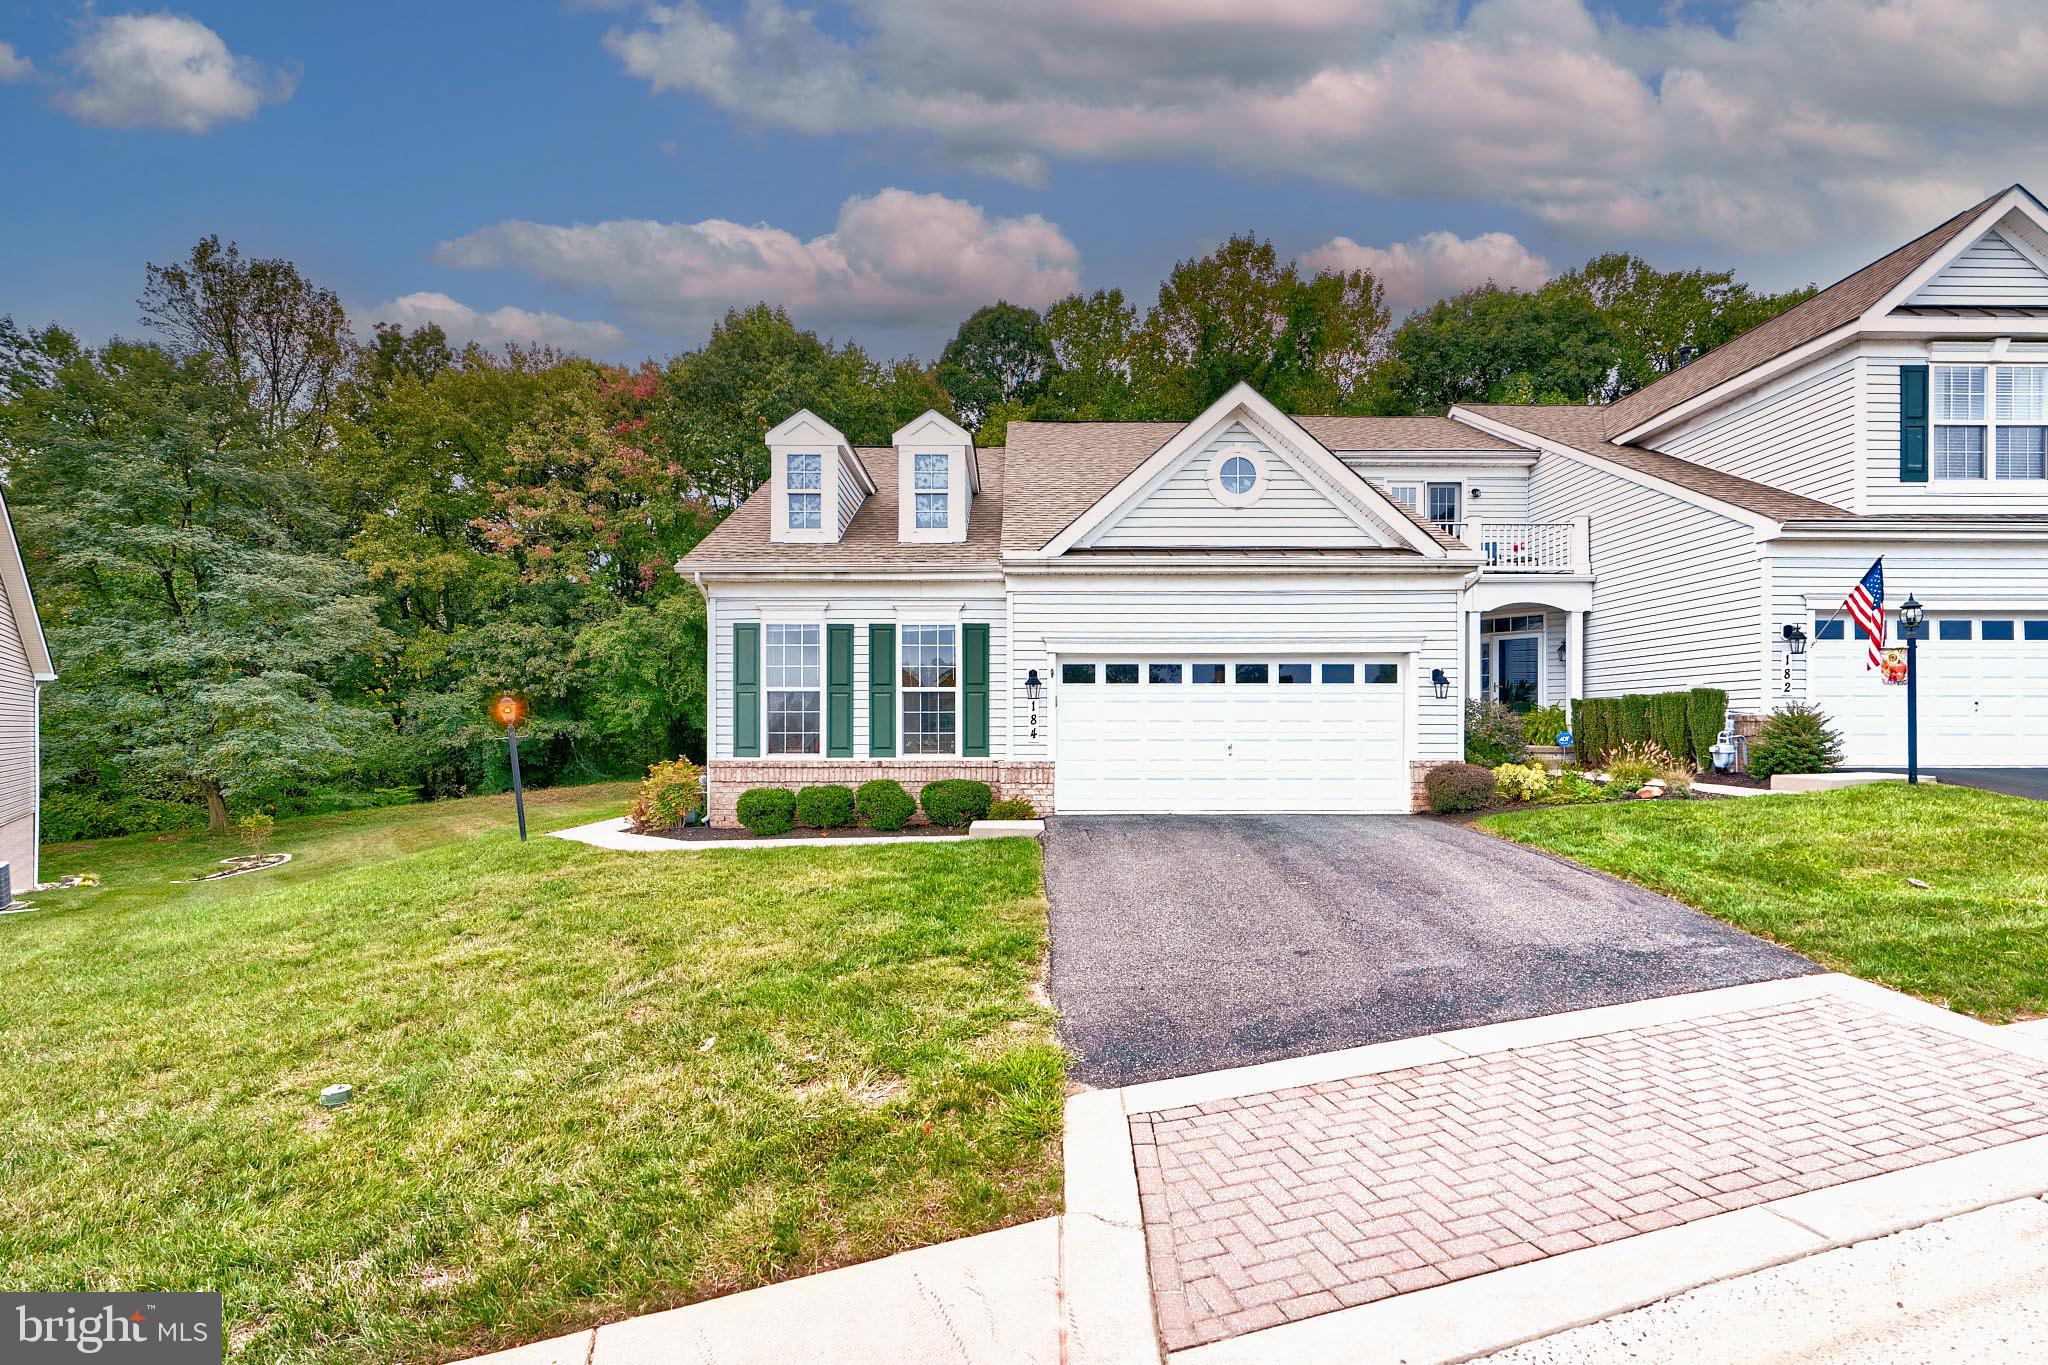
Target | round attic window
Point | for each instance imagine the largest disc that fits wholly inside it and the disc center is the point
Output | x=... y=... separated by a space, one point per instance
x=1237 y=475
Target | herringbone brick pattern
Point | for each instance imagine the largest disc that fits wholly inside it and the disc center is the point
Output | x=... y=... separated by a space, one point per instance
x=1268 y=1208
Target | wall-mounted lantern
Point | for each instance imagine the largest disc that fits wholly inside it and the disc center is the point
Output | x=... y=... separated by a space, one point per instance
x=1441 y=681
x=1795 y=639
x=1560 y=651
x=1033 y=690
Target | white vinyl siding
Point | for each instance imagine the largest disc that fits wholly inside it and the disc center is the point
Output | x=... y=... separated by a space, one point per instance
x=18 y=793
x=1250 y=608
x=1800 y=436
x=1291 y=511
x=1676 y=594
x=858 y=604
x=1883 y=493
x=1502 y=490
x=850 y=497
x=1990 y=273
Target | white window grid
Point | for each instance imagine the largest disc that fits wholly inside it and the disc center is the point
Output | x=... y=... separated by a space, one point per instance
x=1405 y=494
x=1988 y=422
x=793 y=676
x=806 y=476
x=930 y=677
x=930 y=477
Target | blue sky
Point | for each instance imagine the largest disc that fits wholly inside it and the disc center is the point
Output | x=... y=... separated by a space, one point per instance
x=612 y=175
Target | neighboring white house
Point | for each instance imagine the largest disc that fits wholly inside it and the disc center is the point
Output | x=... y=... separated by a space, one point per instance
x=24 y=668
x=1257 y=612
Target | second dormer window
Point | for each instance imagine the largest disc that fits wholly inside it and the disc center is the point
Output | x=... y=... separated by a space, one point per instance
x=806 y=492
x=930 y=475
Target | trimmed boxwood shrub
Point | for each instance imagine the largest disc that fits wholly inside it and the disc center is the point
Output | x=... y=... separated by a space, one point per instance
x=1012 y=808
x=1456 y=787
x=883 y=804
x=1667 y=723
x=1794 y=739
x=767 y=811
x=955 y=802
x=829 y=806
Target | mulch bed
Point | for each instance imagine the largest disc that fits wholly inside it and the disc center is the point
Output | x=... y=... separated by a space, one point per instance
x=1734 y=780
x=711 y=834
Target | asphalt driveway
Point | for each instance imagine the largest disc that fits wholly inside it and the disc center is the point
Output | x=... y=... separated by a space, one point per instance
x=1183 y=944
x=2028 y=782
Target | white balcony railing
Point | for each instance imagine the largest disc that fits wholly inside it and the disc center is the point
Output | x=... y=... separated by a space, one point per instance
x=1528 y=546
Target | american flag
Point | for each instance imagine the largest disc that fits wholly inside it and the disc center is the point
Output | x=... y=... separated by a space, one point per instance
x=1865 y=603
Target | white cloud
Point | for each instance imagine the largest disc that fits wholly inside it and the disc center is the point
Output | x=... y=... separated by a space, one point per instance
x=164 y=71
x=14 y=66
x=893 y=260
x=1792 y=121
x=500 y=326
x=1434 y=265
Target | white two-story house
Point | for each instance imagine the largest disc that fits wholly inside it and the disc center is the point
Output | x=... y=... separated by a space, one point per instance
x=1254 y=611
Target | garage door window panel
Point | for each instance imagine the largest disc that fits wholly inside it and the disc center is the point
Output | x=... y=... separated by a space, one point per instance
x=1997 y=630
x=2037 y=630
x=1122 y=675
x=1382 y=675
x=1295 y=674
x=1207 y=673
x=793 y=675
x=1077 y=673
x=1954 y=630
x=931 y=689
x=1250 y=674
x=1162 y=675
x=1337 y=674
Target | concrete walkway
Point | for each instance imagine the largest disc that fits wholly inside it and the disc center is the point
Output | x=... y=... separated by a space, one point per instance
x=988 y=1300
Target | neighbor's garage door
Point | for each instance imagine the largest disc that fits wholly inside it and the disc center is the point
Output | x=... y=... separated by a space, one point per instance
x=1145 y=732
x=1983 y=694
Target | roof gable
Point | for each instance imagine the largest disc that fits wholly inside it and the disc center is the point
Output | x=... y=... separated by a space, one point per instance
x=1993 y=271
x=20 y=604
x=1837 y=307
x=1370 y=508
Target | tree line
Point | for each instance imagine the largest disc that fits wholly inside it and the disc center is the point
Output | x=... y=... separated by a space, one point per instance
x=286 y=569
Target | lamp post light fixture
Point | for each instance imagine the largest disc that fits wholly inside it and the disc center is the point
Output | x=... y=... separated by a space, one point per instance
x=509 y=712
x=1441 y=681
x=1795 y=639
x=1911 y=617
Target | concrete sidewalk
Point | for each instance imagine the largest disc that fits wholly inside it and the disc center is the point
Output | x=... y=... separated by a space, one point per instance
x=987 y=1300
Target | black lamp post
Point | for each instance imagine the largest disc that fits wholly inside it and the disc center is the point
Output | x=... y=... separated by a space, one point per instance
x=1911 y=616
x=507 y=711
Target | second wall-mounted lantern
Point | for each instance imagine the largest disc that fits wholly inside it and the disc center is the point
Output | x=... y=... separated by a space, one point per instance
x=1441 y=681
x=1795 y=639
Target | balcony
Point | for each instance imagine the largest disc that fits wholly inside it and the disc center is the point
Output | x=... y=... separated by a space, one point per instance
x=1519 y=547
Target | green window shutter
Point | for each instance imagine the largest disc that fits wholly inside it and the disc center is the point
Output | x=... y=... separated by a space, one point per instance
x=746 y=689
x=882 y=691
x=974 y=663
x=839 y=691
x=1912 y=424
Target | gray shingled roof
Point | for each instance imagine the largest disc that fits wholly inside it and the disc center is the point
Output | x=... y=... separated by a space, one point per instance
x=1582 y=428
x=1838 y=305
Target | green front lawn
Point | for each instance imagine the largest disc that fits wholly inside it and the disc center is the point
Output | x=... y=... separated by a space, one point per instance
x=587 y=1084
x=1826 y=875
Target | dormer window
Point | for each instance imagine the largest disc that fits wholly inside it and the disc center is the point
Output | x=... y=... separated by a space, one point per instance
x=806 y=492
x=1989 y=422
x=932 y=482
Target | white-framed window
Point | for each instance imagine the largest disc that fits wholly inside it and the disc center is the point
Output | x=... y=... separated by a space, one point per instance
x=930 y=476
x=1237 y=476
x=931 y=689
x=1988 y=421
x=1404 y=493
x=793 y=676
x=806 y=477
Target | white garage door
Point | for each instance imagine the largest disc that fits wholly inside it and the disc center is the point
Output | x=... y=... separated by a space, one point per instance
x=1142 y=732
x=1983 y=694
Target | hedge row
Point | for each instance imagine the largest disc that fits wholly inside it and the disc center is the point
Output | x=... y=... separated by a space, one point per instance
x=1685 y=723
x=881 y=805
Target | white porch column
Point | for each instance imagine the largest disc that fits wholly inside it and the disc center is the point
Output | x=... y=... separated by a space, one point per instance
x=1470 y=684
x=1575 y=655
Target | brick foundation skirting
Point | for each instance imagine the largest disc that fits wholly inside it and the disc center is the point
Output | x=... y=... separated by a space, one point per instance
x=730 y=776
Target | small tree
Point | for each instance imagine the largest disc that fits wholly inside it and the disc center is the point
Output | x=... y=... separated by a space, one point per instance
x=1794 y=739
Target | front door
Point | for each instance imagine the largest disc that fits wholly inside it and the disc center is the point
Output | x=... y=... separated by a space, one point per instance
x=1520 y=659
